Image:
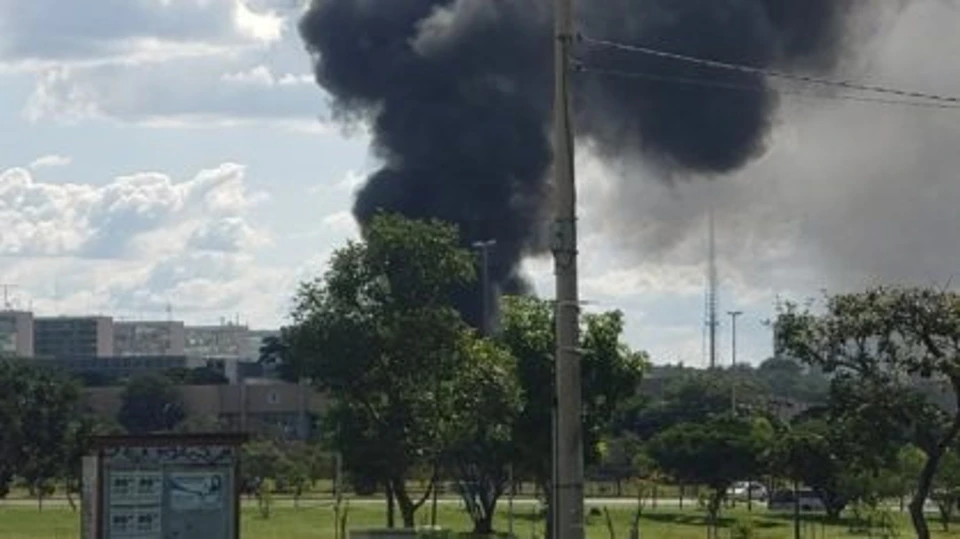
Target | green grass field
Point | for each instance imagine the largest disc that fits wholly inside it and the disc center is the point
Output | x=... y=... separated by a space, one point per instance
x=316 y=522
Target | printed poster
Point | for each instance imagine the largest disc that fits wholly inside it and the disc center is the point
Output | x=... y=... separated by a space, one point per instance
x=134 y=524
x=196 y=491
x=135 y=488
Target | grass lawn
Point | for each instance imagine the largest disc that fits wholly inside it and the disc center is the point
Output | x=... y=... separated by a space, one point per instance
x=20 y=522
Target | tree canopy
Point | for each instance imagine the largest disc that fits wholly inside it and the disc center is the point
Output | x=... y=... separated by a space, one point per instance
x=881 y=346
x=378 y=332
x=611 y=374
x=151 y=403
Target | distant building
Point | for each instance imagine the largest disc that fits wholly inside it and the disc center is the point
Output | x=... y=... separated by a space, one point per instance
x=73 y=337
x=16 y=333
x=120 y=367
x=149 y=338
x=260 y=407
x=220 y=341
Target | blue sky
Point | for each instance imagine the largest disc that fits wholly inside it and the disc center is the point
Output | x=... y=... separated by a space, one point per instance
x=157 y=152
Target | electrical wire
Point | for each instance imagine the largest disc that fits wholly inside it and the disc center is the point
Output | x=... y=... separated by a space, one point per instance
x=769 y=72
x=583 y=68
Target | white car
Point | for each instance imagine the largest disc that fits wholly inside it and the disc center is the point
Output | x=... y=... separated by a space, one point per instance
x=752 y=490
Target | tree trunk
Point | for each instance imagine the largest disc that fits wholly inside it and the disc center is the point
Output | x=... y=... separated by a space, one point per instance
x=70 y=500
x=713 y=511
x=484 y=524
x=391 y=521
x=408 y=507
x=946 y=512
x=928 y=472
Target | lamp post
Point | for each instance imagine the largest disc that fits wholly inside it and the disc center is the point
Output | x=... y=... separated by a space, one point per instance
x=484 y=247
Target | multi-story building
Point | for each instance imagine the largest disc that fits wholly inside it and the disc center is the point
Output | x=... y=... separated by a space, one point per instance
x=120 y=367
x=16 y=334
x=73 y=337
x=261 y=407
x=149 y=338
x=222 y=341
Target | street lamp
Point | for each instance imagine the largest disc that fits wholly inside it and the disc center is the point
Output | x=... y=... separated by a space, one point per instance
x=733 y=359
x=484 y=247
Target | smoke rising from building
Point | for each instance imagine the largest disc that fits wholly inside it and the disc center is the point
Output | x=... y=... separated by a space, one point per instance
x=459 y=93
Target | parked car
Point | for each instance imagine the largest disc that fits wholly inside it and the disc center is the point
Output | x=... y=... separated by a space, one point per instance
x=744 y=490
x=785 y=500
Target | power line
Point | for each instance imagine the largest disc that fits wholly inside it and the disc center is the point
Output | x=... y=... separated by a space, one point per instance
x=758 y=89
x=768 y=72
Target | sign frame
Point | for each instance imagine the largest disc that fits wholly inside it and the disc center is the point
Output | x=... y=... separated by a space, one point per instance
x=165 y=443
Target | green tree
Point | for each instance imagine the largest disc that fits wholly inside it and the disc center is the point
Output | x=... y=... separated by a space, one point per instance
x=261 y=459
x=715 y=453
x=946 y=487
x=486 y=404
x=78 y=440
x=821 y=456
x=903 y=476
x=38 y=409
x=611 y=375
x=378 y=332
x=884 y=342
x=690 y=397
x=198 y=376
x=294 y=470
x=621 y=459
x=276 y=352
x=151 y=403
x=201 y=424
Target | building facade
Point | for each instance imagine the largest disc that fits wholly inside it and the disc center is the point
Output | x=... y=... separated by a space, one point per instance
x=267 y=407
x=149 y=338
x=73 y=337
x=16 y=334
x=225 y=341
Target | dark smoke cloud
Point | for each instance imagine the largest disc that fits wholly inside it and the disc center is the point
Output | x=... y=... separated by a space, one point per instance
x=459 y=92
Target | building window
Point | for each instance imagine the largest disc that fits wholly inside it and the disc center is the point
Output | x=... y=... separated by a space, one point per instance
x=273 y=397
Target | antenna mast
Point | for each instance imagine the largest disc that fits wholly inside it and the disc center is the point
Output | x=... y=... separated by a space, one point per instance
x=712 y=299
x=6 y=294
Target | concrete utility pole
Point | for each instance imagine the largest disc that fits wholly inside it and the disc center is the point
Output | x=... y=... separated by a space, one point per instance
x=484 y=247
x=733 y=358
x=568 y=451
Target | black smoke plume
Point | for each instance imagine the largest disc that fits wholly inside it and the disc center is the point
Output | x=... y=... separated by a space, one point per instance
x=459 y=96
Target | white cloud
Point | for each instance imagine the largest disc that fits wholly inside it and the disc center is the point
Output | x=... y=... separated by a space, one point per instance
x=347 y=184
x=229 y=234
x=263 y=76
x=45 y=32
x=50 y=160
x=82 y=220
x=342 y=222
x=164 y=64
x=133 y=244
x=186 y=93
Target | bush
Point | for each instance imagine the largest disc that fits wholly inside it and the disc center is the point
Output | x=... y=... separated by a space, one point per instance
x=743 y=529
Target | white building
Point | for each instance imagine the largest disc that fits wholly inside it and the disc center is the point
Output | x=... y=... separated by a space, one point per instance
x=149 y=338
x=16 y=334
